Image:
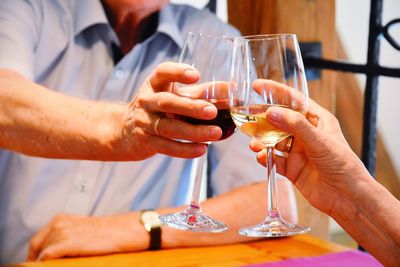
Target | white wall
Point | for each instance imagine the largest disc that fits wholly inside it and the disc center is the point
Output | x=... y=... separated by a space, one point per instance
x=352 y=19
x=221 y=6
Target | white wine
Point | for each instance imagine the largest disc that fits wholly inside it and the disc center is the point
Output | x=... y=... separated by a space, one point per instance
x=253 y=122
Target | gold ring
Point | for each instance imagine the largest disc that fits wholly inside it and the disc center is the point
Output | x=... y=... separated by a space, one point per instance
x=289 y=144
x=156 y=123
x=288 y=147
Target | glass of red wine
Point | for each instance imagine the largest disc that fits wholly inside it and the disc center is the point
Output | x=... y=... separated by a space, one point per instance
x=211 y=56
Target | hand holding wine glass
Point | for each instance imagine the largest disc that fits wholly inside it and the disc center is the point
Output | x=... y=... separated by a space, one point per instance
x=210 y=55
x=259 y=64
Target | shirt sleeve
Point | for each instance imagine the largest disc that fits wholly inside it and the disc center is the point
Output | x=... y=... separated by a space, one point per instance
x=19 y=34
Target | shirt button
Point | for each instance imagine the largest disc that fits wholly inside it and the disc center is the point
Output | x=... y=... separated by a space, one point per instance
x=82 y=186
x=119 y=74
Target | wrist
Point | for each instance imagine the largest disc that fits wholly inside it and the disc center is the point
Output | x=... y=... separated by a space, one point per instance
x=113 y=132
x=353 y=193
x=151 y=223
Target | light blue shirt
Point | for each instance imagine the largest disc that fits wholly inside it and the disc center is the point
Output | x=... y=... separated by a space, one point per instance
x=66 y=46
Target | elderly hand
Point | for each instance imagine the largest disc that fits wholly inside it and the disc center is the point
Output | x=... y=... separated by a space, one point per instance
x=151 y=127
x=320 y=161
x=71 y=235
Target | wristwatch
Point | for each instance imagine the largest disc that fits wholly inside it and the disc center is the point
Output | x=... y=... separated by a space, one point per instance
x=149 y=219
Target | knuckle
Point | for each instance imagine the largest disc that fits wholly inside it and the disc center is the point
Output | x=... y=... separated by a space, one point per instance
x=334 y=119
x=158 y=74
x=34 y=243
x=59 y=222
x=47 y=254
x=297 y=121
x=192 y=105
x=141 y=101
x=163 y=103
x=163 y=128
x=163 y=65
x=57 y=218
x=141 y=137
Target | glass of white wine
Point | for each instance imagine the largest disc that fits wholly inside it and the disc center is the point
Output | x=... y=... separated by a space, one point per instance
x=267 y=70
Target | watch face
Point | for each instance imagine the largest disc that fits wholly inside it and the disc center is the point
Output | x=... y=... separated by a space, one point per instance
x=151 y=217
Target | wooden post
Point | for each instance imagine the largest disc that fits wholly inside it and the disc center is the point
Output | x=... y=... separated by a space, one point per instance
x=311 y=21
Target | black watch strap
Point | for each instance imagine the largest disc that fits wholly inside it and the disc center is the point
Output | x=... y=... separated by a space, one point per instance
x=150 y=221
x=155 y=238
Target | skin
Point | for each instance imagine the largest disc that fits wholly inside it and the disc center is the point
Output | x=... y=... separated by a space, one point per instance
x=331 y=177
x=126 y=17
x=71 y=235
x=39 y=122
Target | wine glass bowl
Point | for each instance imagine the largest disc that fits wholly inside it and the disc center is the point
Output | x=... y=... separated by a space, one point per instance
x=216 y=93
x=267 y=71
x=210 y=55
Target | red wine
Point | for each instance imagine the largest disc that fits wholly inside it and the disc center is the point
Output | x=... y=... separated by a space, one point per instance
x=223 y=119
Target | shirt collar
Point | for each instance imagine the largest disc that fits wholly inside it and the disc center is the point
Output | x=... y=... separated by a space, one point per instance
x=91 y=12
x=88 y=13
x=169 y=25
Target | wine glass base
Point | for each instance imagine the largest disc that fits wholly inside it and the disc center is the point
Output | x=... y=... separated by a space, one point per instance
x=273 y=228
x=192 y=219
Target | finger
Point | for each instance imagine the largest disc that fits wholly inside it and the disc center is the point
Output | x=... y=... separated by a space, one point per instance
x=295 y=123
x=171 y=103
x=279 y=161
x=177 y=149
x=281 y=93
x=256 y=146
x=54 y=251
x=177 y=129
x=218 y=90
x=262 y=157
x=169 y=72
x=36 y=243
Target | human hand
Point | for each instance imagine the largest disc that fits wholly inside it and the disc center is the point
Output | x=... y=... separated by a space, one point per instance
x=151 y=126
x=321 y=164
x=72 y=236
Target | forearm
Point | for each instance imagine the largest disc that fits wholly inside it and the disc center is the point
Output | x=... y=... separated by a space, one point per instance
x=73 y=235
x=39 y=122
x=371 y=215
x=238 y=208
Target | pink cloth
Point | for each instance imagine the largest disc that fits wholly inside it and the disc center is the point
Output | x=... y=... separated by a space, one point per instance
x=350 y=258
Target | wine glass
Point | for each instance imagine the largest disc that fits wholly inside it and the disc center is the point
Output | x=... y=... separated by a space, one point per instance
x=267 y=70
x=211 y=56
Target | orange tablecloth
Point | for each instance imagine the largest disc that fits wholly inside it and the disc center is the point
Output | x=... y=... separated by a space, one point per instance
x=229 y=255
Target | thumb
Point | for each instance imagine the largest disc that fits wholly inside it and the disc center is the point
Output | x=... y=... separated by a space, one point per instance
x=295 y=123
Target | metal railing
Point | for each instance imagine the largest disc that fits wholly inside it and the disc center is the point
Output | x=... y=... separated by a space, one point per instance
x=372 y=70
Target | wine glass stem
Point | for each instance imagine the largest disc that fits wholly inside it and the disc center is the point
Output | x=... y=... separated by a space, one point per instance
x=273 y=211
x=199 y=169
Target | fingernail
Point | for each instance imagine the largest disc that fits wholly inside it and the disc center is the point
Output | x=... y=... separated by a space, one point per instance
x=209 y=111
x=274 y=116
x=215 y=133
x=201 y=149
x=191 y=74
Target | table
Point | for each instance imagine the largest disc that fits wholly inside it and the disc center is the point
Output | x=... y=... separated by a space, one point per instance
x=221 y=256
